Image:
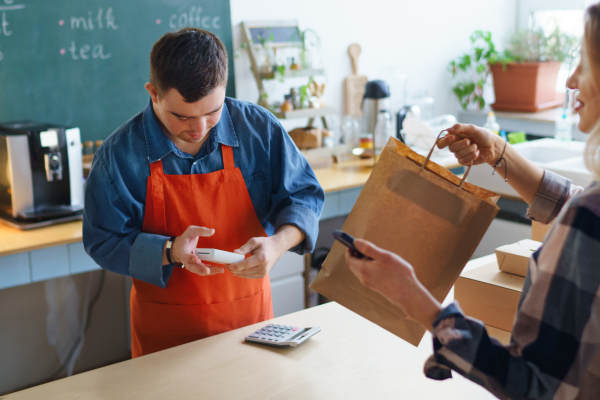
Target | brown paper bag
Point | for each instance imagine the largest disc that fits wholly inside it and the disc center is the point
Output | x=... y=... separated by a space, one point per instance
x=419 y=214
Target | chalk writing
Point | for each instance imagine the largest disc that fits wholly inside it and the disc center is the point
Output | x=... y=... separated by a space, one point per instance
x=83 y=52
x=1 y=56
x=99 y=20
x=5 y=30
x=8 y=6
x=194 y=18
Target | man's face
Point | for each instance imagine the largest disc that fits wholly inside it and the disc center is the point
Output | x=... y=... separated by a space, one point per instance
x=187 y=122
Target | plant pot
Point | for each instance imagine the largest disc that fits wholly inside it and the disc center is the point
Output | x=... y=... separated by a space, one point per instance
x=527 y=87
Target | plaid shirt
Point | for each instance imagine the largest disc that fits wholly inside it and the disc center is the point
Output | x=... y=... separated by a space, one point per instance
x=554 y=351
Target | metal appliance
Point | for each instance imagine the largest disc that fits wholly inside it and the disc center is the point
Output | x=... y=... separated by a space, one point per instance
x=376 y=99
x=41 y=174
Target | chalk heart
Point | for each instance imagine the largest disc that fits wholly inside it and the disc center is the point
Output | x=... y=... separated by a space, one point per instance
x=62 y=51
x=158 y=21
x=61 y=22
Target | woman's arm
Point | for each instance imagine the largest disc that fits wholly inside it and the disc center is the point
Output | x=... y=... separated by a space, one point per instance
x=470 y=143
x=555 y=337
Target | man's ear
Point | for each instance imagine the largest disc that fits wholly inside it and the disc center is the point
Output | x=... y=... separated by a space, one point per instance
x=152 y=90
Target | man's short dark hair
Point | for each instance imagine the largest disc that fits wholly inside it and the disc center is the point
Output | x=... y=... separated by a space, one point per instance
x=192 y=61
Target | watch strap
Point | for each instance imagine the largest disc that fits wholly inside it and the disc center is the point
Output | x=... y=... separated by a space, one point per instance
x=169 y=245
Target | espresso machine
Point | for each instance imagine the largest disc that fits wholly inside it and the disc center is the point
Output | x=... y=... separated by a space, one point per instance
x=41 y=174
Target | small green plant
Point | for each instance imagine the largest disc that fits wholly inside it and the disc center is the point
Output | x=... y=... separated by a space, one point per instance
x=534 y=46
x=473 y=69
x=310 y=42
x=304 y=95
x=281 y=71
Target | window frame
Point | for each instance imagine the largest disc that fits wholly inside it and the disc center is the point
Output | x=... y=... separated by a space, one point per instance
x=527 y=7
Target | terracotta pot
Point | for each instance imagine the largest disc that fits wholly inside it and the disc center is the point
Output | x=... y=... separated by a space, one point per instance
x=527 y=87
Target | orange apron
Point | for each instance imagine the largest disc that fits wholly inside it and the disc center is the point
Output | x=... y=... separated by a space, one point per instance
x=193 y=307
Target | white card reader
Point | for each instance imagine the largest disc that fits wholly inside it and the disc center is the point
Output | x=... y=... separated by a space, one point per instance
x=218 y=256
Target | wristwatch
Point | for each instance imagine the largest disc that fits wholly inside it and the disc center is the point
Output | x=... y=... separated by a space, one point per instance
x=169 y=245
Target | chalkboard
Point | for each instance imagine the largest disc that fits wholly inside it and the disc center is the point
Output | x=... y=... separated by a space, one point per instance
x=84 y=63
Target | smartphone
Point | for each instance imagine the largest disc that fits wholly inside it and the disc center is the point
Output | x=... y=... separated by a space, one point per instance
x=348 y=241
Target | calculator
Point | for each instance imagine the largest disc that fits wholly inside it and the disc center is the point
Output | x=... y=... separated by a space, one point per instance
x=282 y=335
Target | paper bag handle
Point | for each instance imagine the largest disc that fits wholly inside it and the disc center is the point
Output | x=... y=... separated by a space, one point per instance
x=462 y=182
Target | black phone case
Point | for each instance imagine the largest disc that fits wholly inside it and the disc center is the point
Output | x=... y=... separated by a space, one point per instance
x=348 y=241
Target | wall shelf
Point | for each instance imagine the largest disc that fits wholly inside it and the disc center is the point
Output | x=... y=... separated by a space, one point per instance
x=305 y=113
x=301 y=73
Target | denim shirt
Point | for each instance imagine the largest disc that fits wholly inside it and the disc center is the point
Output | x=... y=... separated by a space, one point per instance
x=282 y=186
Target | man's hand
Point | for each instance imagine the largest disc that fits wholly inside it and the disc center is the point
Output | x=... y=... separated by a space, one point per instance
x=265 y=252
x=184 y=251
x=395 y=279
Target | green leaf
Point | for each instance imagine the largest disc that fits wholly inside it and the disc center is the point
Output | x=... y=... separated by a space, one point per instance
x=478 y=53
x=481 y=102
x=481 y=68
x=470 y=88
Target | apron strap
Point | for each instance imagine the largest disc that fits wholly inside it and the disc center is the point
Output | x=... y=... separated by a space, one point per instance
x=228 y=162
x=158 y=197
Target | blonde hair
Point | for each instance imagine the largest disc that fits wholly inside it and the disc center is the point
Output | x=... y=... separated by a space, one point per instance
x=592 y=49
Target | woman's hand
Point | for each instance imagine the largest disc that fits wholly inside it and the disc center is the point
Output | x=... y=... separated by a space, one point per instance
x=395 y=279
x=470 y=143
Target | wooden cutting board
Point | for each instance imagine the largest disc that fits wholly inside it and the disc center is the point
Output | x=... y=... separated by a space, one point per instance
x=355 y=84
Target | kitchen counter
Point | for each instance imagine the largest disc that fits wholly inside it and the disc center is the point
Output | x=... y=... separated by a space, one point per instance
x=351 y=358
x=14 y=241
x=541 y=123
x=339 y=177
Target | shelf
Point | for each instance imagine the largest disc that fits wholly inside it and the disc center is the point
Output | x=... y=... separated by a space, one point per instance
x=305 y=113
x=292 y=73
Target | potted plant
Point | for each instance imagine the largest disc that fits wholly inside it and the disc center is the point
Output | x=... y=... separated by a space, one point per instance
x=472 y=70
x=524 y=75
x=526 y=80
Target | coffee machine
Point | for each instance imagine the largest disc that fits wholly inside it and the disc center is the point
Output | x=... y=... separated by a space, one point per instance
x=41 y=174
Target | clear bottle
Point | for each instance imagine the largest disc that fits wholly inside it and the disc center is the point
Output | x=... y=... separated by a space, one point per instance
x=492 y=124
x=383 y=130
x=562 y=128
x=350 y=132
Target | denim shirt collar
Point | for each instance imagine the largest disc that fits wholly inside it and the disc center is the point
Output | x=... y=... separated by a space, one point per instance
x=159 y=145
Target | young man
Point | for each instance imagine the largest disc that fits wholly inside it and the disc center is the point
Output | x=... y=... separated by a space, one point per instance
x=197 y=169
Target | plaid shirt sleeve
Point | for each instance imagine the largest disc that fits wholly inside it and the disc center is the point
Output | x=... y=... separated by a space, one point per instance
x=554 y=351
x=554 y=192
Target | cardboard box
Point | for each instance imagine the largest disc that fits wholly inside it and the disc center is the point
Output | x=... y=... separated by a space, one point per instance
x=514 y=258
x=539 y=230
x=490 y=295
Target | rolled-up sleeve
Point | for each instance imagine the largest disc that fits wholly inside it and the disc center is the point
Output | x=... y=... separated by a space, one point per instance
x=552 y=195
x=297 y=197
x=110 y=235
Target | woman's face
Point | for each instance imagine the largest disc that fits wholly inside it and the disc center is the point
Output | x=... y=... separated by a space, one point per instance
x=588 y=101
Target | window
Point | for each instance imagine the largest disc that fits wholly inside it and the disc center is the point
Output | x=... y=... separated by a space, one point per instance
x=567 y=15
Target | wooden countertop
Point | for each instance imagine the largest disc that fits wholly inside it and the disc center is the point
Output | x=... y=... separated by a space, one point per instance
x=351 y=358
x=346 y=175
x=355 y=173
x=16 y=241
